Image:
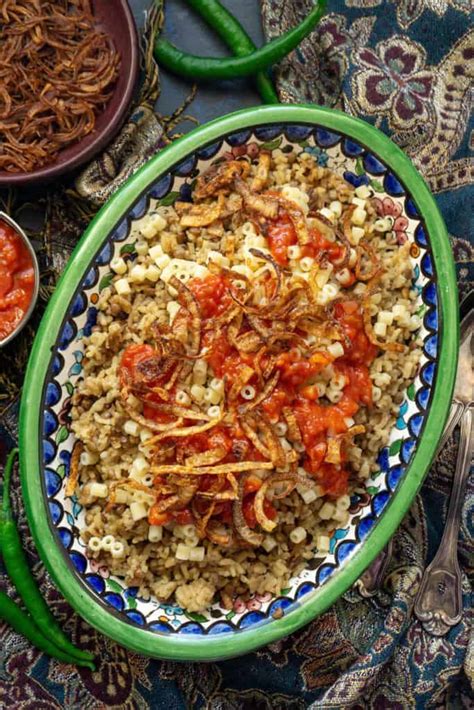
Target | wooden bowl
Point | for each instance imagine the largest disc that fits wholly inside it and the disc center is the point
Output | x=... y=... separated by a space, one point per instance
x=116 y=19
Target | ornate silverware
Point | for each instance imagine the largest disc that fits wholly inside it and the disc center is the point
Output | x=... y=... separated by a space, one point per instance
x=439 y=602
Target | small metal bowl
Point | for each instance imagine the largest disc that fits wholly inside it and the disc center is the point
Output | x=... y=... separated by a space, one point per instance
x=34 y=297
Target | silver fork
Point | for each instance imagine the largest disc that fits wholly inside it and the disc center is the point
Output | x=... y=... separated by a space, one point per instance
x=372 y=578
x=369 y=582
x=439 y=602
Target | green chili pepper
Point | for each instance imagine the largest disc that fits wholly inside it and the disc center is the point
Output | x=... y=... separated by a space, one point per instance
x=19 y=572
x=231 y=31
x=24 y=625
x=191 y=66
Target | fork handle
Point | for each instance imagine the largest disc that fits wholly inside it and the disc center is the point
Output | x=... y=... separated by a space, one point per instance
x=439 y=602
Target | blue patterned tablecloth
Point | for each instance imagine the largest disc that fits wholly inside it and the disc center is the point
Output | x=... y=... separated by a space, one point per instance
x=407 y=66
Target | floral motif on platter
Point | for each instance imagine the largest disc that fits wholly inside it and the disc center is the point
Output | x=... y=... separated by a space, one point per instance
x=360 y=167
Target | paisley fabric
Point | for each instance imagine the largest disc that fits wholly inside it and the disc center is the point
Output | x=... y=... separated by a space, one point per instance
x=407 y=66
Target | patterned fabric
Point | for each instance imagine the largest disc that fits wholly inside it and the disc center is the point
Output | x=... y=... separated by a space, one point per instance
x=406 y=66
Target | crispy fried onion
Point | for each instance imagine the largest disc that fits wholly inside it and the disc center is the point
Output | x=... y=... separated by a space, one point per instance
x=206 y=458
x=333 y=451
x=344 y=260
x=141 y=391
x=238 y=467
x=263 y=331
x=244 y=375
x=164 y=488
x=375 y=266
x=248 y=342
x=201 y=215
x=248 y=425
x=185 y=487
x=322 y=224
x=232 y=205
x=332 y=330
x=266 y=392
x=225 y=318
x=74 y=469
x=228 y=494
x=296 y=215
x=276 y=452
x=265 y=204
x=234 y=326
x=347 y=224
x=57 y=74
x=290 y=479
x=293 y=339
x=284 y=303
x=220 y=177
x=293 y=433
x=335 y=444
x=263 y=169
x=147 y=370
x=220 y=535
x=231 y=276
x=253 y=538
x=167 y=342
x=182 y=371
x=352 y=432
x=178 y=432
x=192 y=307
x=202 y=519
x=150 y=424
x=179 y=411
x=266 y=256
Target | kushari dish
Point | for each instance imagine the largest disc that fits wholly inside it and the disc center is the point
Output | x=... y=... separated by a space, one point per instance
x=248 y=362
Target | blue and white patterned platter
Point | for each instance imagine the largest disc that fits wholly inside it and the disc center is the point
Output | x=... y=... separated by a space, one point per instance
x=359 y=166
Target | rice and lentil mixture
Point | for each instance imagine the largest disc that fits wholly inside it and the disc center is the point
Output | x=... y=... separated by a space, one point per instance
x=246 y=367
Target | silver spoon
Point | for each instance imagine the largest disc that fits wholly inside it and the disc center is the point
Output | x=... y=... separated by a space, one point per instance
x=439 y=602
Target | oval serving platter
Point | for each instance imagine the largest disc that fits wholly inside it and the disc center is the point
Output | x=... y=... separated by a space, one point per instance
x=364 y=156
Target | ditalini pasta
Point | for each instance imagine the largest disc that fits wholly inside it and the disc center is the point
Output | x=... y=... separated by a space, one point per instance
x=246 y=366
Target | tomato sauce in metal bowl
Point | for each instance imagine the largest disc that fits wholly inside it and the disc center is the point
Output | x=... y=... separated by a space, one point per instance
x=19 y=279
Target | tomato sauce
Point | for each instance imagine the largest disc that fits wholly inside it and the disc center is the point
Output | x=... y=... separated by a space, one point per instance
x=157 y=517
x=334 y=479
x=17 y=279
x=296 y=371
x=232 y=439
x=317 y=420
x=141 y=363
x=224 y=360
x=218 y=437
x=281 y=235
x=212 y=294
x=218 y=350
x=274 y=403
x=132 y=356
x=319 y=245
x=360 y=349
x=248 y=510
x=295 y=389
